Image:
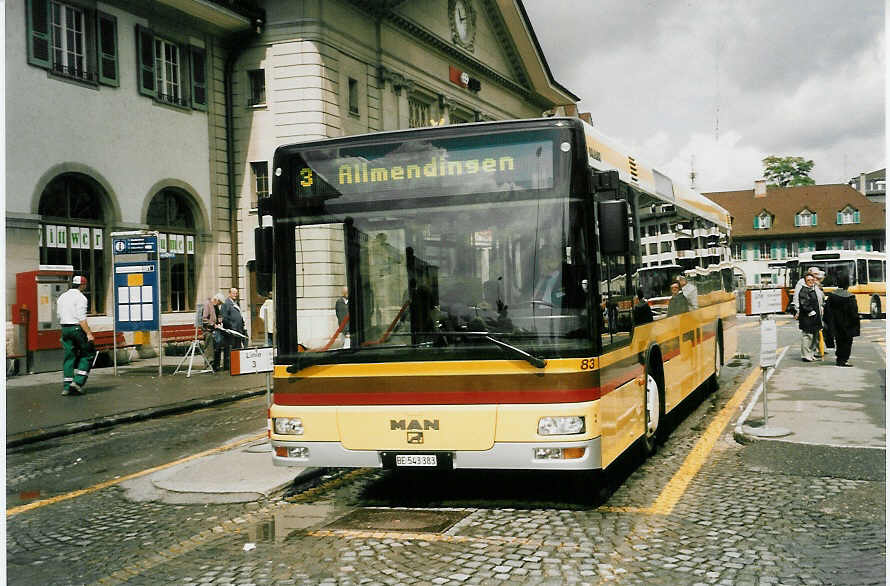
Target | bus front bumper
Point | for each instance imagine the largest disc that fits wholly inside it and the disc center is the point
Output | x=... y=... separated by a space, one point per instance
x=502 y=456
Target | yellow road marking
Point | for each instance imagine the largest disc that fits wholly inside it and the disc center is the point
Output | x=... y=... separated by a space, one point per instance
x=64 y=497
x=677 y=485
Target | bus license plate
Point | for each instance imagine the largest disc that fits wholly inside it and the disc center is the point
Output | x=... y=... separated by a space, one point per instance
x=416 y=460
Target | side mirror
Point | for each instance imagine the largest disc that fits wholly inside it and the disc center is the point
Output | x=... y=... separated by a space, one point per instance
x=614 y=227
x=263 y=245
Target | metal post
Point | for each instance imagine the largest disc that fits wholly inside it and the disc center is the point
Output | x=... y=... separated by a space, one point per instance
x=765 y=410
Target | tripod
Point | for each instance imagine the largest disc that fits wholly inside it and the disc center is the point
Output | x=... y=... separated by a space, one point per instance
x=196 y=347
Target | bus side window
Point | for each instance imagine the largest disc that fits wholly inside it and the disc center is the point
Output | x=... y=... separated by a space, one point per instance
x=876 y=271
x=861 y=272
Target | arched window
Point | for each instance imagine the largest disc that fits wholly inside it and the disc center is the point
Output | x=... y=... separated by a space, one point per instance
x=72 y=231
x=170 y=213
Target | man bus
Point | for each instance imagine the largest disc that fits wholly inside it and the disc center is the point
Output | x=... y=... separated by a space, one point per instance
x=491 y=272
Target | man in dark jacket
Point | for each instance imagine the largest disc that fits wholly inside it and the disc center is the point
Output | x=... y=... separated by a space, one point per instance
x=232 y=320
x=809 y=319
x=842 y=318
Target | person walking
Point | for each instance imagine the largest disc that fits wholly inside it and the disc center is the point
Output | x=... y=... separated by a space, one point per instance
x=232 y=319
x=77 y=338
x=842 y=319
x=211 y=320
x=267 y=314
x=809 y=319
x=341 y=308
x=678 y=303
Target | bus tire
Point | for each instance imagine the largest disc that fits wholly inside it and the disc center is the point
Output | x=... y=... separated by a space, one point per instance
x=875 y=308
x=653 y=409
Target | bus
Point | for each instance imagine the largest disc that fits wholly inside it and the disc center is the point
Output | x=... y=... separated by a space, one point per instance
x=490 y=273
x=867 y=272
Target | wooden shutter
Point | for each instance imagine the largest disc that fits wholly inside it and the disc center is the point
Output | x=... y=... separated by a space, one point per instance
x=856 y=217
x=106 y=27
x=199 y=78
x=796 y=220
x=815 y=219
x=39 y=37
x=145 y=61
x=840 y=218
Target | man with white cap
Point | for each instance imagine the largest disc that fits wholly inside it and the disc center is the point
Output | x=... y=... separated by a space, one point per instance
x=77 y=338
x=795 y=299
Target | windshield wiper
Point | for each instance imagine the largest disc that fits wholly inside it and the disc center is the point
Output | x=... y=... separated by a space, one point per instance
x=515 y=350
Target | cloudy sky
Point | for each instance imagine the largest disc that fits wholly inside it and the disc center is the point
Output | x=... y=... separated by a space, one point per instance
x=726 y=83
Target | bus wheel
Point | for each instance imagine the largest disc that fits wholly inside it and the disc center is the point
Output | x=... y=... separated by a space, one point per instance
x=654 y=410
x=875 y=308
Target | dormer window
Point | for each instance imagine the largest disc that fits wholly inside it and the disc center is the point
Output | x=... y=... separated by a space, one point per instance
x=763 y=221
x=804 y=218
x=848 y=215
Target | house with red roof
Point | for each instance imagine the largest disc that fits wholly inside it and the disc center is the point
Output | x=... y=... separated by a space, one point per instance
x=778 y=223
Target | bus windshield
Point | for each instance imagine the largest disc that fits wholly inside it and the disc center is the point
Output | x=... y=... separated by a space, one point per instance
x=439 y=282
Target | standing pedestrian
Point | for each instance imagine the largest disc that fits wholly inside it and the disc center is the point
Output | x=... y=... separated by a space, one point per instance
x=341 y=308
x=77 y=338
x=842 y=318
x=267 y=314
x=233 y=320
x=689 y=291
x=642 y=311
x=678 y=303
x=809 y=319
x=211 y=320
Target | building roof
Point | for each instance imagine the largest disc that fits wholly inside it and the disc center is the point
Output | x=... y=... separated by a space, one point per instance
x=783 y=203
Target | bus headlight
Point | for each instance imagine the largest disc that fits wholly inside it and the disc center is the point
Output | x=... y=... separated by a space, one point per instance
x=561 y=425
x=288 y=425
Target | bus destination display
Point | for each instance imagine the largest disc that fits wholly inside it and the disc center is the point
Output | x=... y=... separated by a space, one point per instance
x=456 y=166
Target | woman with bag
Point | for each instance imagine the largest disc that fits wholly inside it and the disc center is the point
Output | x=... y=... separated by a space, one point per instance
x=842 y=319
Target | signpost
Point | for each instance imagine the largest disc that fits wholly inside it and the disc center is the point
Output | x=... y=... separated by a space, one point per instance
x=254 y=360
x=137 y=287
x=768 y=348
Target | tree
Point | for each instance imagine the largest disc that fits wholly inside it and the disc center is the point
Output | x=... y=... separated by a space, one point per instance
x=787 y=171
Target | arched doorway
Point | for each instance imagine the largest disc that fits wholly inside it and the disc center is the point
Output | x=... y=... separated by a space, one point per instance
x=172 y=214
x=72 y=231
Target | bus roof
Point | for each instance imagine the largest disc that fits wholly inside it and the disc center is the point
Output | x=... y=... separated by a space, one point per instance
x=607 y=154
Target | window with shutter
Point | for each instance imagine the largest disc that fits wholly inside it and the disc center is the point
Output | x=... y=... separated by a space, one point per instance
x=199 y=78
x=38 y=33
x=107 y=31
x=145 y=66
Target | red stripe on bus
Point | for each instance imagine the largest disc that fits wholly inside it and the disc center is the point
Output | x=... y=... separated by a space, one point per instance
x=453 y=397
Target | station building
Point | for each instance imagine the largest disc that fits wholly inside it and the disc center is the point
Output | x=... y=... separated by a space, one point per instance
x=164 y=115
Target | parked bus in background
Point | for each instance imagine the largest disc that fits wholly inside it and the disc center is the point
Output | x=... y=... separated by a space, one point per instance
x=491 y=271
x=867 y=272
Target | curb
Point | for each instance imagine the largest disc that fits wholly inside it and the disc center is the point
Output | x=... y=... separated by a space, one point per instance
x=30 y=437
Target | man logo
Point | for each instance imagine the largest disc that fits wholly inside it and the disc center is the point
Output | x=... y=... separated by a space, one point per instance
x=413 y=424
x=415 y=437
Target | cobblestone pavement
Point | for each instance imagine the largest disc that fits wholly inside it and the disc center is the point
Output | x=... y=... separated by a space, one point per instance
x=750 y=516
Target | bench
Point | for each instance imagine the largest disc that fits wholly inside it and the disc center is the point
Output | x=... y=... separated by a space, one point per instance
x=178 y=333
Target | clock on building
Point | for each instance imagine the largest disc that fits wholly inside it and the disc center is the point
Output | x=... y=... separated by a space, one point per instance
x=463 y=22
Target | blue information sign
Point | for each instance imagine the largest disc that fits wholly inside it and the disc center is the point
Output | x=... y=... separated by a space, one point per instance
x=135 y=244
x=136 y=300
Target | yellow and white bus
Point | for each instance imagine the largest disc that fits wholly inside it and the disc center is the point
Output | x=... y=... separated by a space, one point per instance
x=491 y=271
x=867 y=272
